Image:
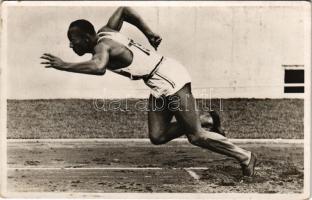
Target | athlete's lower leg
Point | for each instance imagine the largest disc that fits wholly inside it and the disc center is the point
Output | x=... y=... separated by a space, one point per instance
x=220 y=144
x=188 y=118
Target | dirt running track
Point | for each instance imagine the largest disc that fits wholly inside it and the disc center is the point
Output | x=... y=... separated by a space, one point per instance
x=101 y=166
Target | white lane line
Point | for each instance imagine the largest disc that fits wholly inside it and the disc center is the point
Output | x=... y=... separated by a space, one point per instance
x=146 y=140
x=192 y=174
x=85 y=168
x=104 y=168
x=196 y=168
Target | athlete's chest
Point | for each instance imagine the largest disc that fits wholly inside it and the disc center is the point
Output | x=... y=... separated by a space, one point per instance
x=119 y=56
x=123 y=50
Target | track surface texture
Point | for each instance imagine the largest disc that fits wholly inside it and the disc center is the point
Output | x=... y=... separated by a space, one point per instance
x=101 y=167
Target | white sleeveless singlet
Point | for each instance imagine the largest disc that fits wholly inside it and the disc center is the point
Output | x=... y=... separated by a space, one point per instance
x=143 y=62
x=163 y=75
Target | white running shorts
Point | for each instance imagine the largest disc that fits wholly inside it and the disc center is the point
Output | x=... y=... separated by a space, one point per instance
x=169 y=77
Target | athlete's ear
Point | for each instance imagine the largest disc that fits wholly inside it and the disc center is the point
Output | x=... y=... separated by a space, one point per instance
x=87 y=38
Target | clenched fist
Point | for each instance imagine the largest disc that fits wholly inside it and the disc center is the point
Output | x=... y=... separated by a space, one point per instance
x=154 y=39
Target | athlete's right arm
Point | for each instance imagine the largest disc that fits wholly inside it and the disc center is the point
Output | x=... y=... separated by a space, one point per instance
x=131 y=16
x=95 y=66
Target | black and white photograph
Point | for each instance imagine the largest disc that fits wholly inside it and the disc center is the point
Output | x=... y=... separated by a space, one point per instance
x=156 y=99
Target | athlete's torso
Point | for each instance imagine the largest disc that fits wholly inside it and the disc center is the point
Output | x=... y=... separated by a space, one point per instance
x=127 y=57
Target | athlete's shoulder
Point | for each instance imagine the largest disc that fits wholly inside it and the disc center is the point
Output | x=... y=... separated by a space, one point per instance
x=103 y=36
x=106 y=29
x=102 y=46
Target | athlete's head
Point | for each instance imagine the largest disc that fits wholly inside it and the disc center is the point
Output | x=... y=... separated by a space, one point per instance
x=82 y=36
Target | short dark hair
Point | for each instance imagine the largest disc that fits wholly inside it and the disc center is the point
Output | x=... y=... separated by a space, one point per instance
x=83 y=25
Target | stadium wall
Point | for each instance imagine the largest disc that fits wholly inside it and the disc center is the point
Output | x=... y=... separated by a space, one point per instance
x=230 y=51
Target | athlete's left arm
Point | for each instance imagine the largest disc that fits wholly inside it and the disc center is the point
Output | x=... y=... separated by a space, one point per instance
x=95 y=66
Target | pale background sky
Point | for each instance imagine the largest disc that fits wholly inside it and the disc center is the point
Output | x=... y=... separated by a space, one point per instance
x=236 y=50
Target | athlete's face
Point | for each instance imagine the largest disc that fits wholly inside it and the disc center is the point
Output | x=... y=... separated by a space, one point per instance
x=79 y=42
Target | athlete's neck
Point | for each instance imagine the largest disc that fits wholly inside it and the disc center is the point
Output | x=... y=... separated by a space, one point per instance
x=94 y=41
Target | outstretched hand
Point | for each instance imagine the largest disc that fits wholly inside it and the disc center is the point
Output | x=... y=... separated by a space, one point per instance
x=154 y=40
x=52 y=61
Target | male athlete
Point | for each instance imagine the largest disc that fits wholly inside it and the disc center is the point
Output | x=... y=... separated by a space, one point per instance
x=168 y=80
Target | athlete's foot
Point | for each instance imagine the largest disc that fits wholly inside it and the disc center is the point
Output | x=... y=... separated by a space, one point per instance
x=206 y=121
x=212 y=122
x=249 y=169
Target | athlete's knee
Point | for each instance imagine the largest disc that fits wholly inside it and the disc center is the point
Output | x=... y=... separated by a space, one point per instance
x=195 y=138
x=156 y=136
x=157 y=140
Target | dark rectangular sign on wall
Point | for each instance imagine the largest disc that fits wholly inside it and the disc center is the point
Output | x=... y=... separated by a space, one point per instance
x=293 y=89
x=294 y=76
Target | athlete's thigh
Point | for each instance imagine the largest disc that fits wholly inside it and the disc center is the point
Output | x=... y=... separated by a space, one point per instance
x=159 y=116
x=186 y=113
